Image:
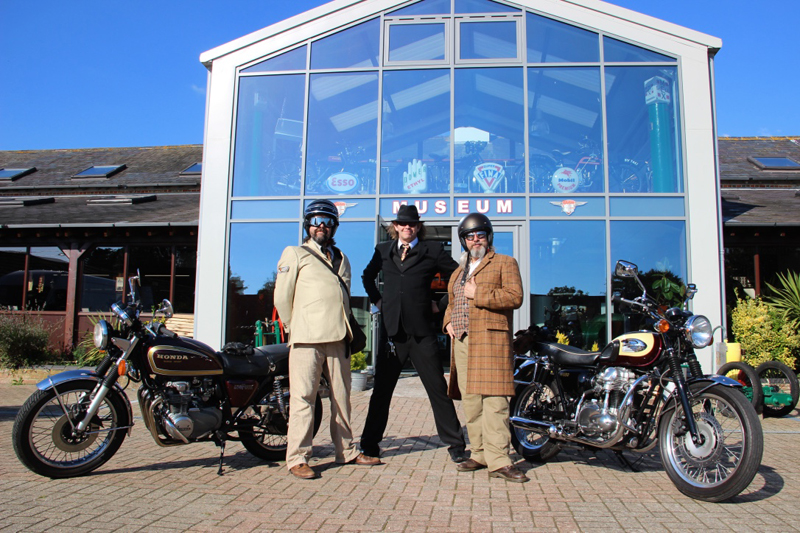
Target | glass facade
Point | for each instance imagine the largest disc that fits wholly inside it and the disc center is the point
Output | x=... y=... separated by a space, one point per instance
x=568 y=134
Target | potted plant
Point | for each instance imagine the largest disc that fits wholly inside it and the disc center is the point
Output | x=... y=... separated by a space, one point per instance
x=358 y=363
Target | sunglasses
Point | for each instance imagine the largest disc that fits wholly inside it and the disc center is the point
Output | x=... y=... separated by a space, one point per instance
x=412 y=224
x=319 y=221
x=475 y=235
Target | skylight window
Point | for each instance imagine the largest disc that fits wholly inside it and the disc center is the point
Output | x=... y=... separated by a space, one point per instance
x=196 y=168
x=12 y=174
x=774 y=163
x=100 y=171
x=123 y=199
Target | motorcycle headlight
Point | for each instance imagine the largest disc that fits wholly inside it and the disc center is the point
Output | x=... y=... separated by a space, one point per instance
x=121 y=313
x=101 y=335
x=699 y=331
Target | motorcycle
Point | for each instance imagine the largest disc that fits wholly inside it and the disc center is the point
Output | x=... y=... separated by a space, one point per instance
x=634 y=395
x=77 y=420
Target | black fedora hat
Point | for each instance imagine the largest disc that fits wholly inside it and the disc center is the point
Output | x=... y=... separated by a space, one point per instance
x=407 y=213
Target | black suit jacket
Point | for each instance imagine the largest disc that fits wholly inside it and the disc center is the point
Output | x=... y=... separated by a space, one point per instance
x=407 y=290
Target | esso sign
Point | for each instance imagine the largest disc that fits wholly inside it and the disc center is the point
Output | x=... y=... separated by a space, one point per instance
x=566 y=179
x=342 y=182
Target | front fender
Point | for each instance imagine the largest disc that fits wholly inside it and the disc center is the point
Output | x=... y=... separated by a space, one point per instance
x=84 y=374
x=704 y=383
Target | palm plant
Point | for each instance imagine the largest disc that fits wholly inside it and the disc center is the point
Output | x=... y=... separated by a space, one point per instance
x=786 y=298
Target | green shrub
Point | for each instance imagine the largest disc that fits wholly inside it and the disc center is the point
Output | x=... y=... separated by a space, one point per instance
x=358 y=361
x=24 y=341
x=764 y=333
x=786 y=298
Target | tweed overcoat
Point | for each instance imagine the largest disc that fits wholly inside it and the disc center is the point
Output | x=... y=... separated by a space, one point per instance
x=490 y=361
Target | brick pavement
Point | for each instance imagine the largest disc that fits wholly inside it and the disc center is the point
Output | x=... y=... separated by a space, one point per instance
x=149 y=488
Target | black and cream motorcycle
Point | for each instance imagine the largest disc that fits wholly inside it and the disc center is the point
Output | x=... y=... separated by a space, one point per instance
x=634 y=395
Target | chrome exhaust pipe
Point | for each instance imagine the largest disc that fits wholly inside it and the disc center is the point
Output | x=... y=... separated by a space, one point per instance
x=532 y=425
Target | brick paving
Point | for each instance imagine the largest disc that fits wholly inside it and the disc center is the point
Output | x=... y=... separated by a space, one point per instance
x=149 y=488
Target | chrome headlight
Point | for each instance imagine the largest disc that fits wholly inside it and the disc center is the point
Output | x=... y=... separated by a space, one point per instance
x=101 y=335
x=698 y=331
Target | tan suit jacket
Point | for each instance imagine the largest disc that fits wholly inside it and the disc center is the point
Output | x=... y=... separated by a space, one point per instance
x=490 y=360
x=311 y=301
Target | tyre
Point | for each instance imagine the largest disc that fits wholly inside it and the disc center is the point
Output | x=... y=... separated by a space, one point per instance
x=746 y=375
x=628 y=178
x=42 y=433
x=727 y=461
x=530 y=402
x=780 y=388
x=267 y=440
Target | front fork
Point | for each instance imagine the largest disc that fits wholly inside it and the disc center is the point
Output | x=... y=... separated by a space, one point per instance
x=683 y=394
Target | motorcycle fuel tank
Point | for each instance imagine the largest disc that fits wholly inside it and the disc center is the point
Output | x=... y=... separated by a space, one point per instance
x=638 y=349
x=183 y=357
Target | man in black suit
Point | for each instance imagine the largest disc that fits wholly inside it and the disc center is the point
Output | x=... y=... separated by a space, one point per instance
x=409 y=264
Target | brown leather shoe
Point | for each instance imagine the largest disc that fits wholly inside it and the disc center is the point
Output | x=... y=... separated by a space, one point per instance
x=365 y=460
x=469 y=465
x=510 y=473
x=303 y=471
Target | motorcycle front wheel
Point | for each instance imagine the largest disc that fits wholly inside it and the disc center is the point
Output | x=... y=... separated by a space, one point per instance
x=530 y=400
x=43 y=438
x=267 y=440
x=727 y=460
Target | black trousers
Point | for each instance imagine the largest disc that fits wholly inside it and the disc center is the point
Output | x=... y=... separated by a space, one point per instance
x=423 y=354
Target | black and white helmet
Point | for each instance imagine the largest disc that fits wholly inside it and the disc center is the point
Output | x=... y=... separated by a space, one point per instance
x=321 y=208
x=474 y=222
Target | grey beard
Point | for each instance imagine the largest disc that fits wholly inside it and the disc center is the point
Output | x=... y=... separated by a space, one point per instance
x=320 y=238
x=478 y=252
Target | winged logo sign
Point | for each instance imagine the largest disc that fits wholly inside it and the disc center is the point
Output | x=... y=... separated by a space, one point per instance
x=568 y=206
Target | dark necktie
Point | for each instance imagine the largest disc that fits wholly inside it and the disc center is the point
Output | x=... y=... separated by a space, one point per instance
x=404 y=253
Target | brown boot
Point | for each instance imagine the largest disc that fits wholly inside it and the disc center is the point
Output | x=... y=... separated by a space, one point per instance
x=510 y=473
x=303 y=471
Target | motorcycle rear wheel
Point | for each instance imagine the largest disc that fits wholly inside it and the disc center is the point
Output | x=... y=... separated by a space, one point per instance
x=727 y=461
x=268 y=441
x=534 y=447
x=42 y=434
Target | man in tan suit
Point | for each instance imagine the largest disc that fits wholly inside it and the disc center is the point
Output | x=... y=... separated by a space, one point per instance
x=314 y=305
x=484 y=290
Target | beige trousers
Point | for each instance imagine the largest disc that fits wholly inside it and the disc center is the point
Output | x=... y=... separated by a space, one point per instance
x=487 y=417
x=307 y=362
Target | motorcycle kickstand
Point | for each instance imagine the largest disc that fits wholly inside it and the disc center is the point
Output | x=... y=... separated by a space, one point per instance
x=221 y=445
x=624 y=461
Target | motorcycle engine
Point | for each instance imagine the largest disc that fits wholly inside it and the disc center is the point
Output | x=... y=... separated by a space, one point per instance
x=598 y=413
x=185 y=414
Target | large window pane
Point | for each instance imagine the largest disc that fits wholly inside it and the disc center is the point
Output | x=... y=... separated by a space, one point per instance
x=356 y=47
x=356 y=240
x=269 y=135
x=489 y=131
x=488 y=40
x=416 y=128
x=102 y=280
x=426 y=7
x=416 y=42
x=293 y=60
x=342 y=132
x=252 y=269
x=185 y=269
x=568 y=280
x=643 y=129
x=12 y=272
x=618 y=51
x=550 y=41
x=565 y=130
x=48 y=270
x=154 y=263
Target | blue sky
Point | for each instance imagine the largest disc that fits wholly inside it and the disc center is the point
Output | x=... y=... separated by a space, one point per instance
x=102 y=73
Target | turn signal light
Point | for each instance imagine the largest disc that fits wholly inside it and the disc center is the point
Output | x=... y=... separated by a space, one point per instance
x=122 y=368
x=662 y=326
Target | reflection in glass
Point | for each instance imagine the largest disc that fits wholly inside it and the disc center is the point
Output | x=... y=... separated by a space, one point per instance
x=102 y=278
x=503 y=242
x=551 y=41
x=489 y=131
x=356 y=47
x=416 y=42
x=12 y=272
x=185 y=269
x=565 y=130
x=481 y=6
x=416 y=126
x=568 y=280
x=426 y=7
x=356 y=240
x=293 y=60
x=618 y=51
x=154 y=263
x=342 y=129
x=488 y=40
x=48 y=272
x=269 y=135
x=643 y=129
x=252 y=270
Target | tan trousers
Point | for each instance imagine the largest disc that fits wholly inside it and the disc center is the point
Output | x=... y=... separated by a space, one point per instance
x=487 y=417
x=307 y=362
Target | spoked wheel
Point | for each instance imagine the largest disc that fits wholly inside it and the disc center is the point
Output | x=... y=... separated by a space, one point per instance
x=268 y=437
x=43 y=435
x=780 y=388
x=727 y=459
x=746 y=375
x=531 y=402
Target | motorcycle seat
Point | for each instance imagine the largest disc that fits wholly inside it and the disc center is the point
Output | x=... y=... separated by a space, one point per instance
x=261 y=362
x=565 y=355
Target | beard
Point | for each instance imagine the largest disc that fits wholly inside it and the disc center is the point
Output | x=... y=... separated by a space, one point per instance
x=320 y=237
x=477 y=252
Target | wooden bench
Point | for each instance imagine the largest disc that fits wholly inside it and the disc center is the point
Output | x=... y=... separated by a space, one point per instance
x=182 y=324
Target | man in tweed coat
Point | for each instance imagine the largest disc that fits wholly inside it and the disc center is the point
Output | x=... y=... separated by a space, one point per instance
x=484 y=290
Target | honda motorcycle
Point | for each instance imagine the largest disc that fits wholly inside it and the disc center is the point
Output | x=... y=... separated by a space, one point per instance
x=188 y=393
x=644 y=389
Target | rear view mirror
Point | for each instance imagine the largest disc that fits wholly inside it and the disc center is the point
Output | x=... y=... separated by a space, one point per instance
x=626 y=269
